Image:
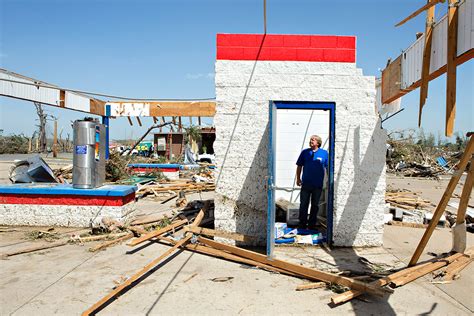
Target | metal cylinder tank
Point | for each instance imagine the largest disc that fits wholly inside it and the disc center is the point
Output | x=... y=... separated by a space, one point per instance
x=83 y=176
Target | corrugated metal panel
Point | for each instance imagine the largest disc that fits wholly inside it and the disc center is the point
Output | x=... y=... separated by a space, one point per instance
x=413 y=56
x=466 y=30
x=439 y=45
x=27 y=92
x=77 y=102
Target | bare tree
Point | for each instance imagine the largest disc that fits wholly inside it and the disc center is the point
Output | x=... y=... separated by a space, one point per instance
x=41 y=127
x=43 y=118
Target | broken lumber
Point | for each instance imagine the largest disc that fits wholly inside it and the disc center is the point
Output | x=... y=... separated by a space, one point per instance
x=111 y=242
x=158 y=232
x=424 y=270
x=348 y=295
x=135 y=277
x=453 y=269
x=219 y=233
x=309 y=273
x=100 y=237
x=310 y=286
x=34 y=248
x=444 y=201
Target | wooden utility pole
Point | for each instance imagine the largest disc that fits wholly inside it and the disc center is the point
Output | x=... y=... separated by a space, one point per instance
x=451 y=66
x=55 y=139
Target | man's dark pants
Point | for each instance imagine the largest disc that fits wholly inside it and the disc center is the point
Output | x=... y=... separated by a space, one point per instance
x=308 y=194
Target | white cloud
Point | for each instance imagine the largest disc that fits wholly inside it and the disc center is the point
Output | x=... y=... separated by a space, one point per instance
x=208 y=75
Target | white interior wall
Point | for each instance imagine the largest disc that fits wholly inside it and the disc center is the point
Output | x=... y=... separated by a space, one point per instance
x=294 y=128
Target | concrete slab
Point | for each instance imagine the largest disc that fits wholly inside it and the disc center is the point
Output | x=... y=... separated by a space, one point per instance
x=69 y=279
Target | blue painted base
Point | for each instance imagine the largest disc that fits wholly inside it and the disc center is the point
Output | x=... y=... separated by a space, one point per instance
x=66 y=189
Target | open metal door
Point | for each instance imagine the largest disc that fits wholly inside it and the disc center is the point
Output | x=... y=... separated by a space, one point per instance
x=282 y=113
x=271 y=182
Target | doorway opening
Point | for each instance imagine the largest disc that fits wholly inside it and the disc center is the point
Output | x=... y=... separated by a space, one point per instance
x=291 y=126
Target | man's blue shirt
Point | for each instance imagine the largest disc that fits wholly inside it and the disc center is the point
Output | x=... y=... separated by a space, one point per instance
x=314 y=163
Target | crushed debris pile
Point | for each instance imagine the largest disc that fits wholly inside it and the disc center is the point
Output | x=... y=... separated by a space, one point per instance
x=412 y=158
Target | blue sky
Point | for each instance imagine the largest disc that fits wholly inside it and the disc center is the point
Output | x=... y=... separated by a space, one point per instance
x=166 y=49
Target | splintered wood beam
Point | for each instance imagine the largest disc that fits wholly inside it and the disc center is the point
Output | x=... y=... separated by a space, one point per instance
x=295 y=268
x=155 y=120
x=135 y=277
x=129 y=121
x=219 y=233
x=444 y=201
x=157 y=232
x=423 y=8
x=451 y=67
x=199 y=120
x=139 y=121
x=466 y=193
x=180 y=124
x=425 y=70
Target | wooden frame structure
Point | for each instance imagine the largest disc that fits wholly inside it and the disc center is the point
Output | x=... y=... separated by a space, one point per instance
x=402 y=75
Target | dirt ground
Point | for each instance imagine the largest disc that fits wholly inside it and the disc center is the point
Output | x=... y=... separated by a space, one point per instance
x=69 y=279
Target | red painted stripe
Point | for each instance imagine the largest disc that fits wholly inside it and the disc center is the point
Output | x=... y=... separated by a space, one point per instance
x=82 y=200
x=316 y=48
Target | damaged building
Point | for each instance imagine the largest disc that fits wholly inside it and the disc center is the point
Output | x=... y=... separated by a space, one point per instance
x=273 y=92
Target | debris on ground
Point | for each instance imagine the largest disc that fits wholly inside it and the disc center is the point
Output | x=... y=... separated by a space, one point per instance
x=412 y=156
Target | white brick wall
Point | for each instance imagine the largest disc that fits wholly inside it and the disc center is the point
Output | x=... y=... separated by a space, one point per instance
x=241 y=201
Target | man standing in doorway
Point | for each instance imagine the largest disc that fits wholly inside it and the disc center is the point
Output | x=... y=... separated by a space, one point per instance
x=313 y=162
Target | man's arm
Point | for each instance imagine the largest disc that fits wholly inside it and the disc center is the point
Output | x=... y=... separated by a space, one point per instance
x=298 y=175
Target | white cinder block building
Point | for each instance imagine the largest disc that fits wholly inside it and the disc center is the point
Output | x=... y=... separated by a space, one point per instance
x=273 y=92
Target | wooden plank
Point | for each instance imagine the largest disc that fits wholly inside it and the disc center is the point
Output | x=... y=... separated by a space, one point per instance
x=444 y=201
x=425 y=270
x=435 y=74
x=219 y=233
x=466 y=193
x=451 y=67
x=180 y=125
x=97 y=107
x=158 y=232
x=427 y=6
x=135 y=277
x=294 y=268
x=181 y=108
x=34 y=248
x=111 y=242
x=310 y=286
x=348 y=295
x=392 y=80
x=425 y=68
x=455 y=268
x=55 y=139
x=62 y=98
x=197 y=221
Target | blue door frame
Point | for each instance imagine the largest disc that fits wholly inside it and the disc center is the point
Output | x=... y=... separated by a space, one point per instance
x=274 y=105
